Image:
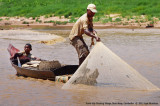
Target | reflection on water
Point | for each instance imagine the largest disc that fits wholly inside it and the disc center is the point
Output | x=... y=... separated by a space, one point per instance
x=138 y=47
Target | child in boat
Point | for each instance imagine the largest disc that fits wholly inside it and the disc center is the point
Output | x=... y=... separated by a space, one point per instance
x=25 y=56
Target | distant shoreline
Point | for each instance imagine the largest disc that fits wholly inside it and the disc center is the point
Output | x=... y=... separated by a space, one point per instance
x=68 y=26
x=63 y=23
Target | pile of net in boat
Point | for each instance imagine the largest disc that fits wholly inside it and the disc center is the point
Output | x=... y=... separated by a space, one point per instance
x=102 y=67
x=49 y=65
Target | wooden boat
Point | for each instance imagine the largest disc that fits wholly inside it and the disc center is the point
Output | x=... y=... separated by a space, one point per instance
x=45 y=74
x=34 y=72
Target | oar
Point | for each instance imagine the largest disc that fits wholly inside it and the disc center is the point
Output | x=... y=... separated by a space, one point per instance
x=19 y=63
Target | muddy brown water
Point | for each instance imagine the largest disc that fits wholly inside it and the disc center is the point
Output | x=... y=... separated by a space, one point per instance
x=139 y=47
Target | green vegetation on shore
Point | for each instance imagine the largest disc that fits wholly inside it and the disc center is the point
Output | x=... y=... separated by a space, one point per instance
x=75 y=8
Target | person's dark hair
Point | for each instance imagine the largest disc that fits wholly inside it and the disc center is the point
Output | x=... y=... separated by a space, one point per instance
x=30 y=46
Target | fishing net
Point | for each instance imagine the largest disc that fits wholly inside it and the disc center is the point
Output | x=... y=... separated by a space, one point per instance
x=104 y=68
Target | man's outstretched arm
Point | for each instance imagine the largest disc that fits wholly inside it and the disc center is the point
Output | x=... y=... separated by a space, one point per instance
x=91 y=34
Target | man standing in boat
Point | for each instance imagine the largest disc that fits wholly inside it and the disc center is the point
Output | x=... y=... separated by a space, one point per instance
x=83 y=25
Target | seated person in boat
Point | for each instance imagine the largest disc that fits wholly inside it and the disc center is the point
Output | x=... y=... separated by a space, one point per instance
x=24 y=56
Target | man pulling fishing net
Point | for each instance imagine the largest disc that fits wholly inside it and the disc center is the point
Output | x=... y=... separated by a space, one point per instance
x=83 y=25
x=101 y=67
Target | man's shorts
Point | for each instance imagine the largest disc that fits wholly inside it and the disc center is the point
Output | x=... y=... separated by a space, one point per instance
x=80 y=46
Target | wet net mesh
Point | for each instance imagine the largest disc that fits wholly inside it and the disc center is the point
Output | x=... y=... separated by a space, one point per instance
x=102 y=67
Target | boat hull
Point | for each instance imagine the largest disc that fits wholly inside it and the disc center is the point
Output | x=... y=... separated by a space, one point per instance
x=43 y=74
